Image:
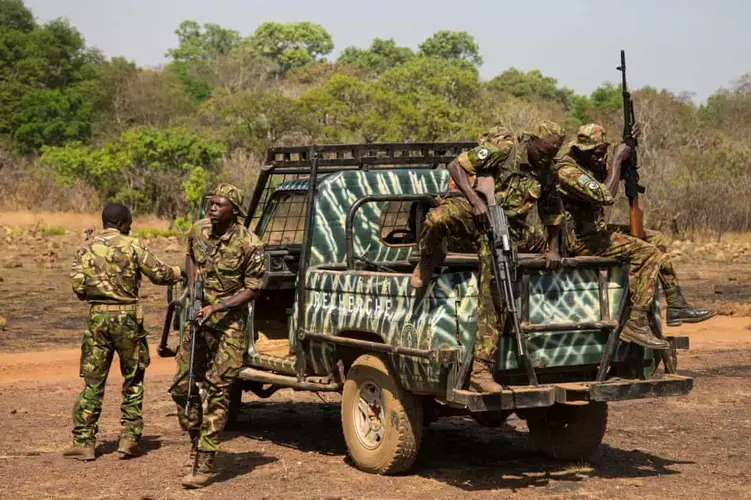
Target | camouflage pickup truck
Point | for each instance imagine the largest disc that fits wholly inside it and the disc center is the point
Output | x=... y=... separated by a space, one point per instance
x=337 y=313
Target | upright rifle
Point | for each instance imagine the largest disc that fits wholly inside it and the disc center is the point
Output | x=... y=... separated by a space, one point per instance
x=504 y=270
x=195 y=305
x=630 y=174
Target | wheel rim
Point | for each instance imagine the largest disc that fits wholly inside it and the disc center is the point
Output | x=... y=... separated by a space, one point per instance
x=369 y=415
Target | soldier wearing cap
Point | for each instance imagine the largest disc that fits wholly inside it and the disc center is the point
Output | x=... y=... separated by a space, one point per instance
x=107 y=274
x=587 y=186
x=229 y=259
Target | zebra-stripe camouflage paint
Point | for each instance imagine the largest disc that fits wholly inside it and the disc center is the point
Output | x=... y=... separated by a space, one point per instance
x=384 y=304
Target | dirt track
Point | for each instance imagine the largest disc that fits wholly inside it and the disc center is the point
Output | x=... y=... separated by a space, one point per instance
x=290 y=446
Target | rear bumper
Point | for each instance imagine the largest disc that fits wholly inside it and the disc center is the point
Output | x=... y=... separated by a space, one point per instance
x=542 y=396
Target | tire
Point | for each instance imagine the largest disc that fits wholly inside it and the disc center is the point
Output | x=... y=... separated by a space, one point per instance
x=493 y=419
x=388 y=441
x=569 y=432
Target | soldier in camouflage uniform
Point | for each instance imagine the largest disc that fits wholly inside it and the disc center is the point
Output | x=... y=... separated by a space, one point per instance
x=107 y=274
x=517 y=188
x=229 y=259
x=587 y=188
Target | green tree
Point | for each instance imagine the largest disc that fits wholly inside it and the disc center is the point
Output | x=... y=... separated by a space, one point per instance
x=47 y=65
x=51 y=117
x=148 y=169
x=531 y=86
x=381 y=56
x=291 y=45
x=198 y=54
x=458 y=45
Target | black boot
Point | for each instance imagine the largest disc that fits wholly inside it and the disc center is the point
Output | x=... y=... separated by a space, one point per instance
x=638 y=331
x=680 y=311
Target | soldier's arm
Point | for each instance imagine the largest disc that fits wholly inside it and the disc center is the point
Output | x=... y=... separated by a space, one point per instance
x=253 y=279
x=78 y=276
x=620 y=156
x=574 y=183
x=157 y=271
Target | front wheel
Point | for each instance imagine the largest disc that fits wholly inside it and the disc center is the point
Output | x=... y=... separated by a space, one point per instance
x=569 y=432
x=382 y=423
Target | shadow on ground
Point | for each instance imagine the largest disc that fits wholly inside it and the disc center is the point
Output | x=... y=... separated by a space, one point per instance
x=456 y=451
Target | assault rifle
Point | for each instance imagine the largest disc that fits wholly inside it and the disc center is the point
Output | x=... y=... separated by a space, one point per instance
x=504 y=270
x=195 y=305
x=630 y=174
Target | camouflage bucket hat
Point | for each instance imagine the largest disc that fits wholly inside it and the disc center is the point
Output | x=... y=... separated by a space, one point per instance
x=497 y=135
x=234 y=195
x=589 y=137
x=547 y=131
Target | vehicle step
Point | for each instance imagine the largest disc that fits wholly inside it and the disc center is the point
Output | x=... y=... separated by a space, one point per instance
x=309 y=384
x=279 y=364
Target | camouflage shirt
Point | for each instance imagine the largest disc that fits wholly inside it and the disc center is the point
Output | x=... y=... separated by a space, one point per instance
x=228 y=263
x=584 y=195
x=526 y=186
x=486 y=160
x=108 y=270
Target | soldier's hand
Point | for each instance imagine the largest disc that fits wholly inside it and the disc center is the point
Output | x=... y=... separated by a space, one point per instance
x=481 y=216
x=636 y=131
x=552 y=259
x=205 y=313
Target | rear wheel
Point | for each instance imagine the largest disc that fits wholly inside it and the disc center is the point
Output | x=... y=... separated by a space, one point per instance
x=569 y=432
x=382 y=423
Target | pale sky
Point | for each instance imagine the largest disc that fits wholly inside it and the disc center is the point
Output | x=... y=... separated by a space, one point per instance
x=684 y=46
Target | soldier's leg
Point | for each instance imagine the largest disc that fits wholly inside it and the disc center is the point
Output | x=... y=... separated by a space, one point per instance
x=191 y=421
x=644 y=264
x=227 y=350
x=97 y=350
x=227 y=344
x=489 y=324
x=529 y=239
x=679 y=310
x=452 y=216
x=129 y=338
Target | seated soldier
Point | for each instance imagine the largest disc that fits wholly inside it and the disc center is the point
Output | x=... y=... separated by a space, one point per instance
x=586 y=188
x=463 y=216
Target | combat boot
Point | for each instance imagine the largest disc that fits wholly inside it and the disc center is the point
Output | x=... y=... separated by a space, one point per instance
x=424 y=269
x=202 y=472
x=680 y=311
x=482 y=379
x=638 y=331
x=128 y=447
x=188 y=465
x=85 y=452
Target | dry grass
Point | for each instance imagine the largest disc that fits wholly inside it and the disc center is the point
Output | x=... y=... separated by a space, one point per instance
x=70 y=220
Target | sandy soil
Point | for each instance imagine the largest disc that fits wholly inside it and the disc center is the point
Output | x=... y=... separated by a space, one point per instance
x=291 y=445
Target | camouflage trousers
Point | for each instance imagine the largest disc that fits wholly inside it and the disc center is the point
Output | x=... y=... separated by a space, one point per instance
x=107 y=333
x=450 y=223
x=219 y=356
x=667 y=275
x=644 y=260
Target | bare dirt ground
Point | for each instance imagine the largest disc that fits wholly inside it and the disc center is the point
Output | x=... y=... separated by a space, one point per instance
x=291 y=446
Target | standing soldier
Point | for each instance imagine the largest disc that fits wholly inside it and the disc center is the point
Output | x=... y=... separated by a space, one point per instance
x=107 y=274
x=229 y=259
x=587 y=187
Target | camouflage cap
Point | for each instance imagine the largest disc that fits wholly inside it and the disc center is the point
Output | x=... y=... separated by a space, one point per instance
x=589 y=137
x=548 y=131
x=234 y=195
x=498 y=136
